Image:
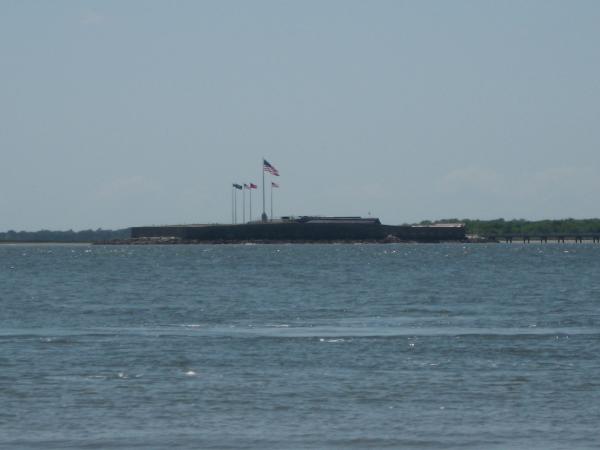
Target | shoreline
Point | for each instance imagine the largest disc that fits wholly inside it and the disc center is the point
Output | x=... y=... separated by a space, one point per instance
x=179 y=241
x=47 y=242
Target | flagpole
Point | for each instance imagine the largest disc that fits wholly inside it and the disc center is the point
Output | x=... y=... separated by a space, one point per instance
x=250 y=218
x=232 y=204
x=264 y=214
x=244 y=203
x=271 y=200
x=235 y=207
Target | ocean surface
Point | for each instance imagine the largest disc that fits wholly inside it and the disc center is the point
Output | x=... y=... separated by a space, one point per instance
x=300 y=346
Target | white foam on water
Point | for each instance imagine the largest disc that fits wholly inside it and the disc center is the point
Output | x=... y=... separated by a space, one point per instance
x=190 y=373
x=96 y=377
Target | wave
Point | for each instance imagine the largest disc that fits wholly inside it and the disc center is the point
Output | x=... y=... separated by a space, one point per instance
x=67 y=336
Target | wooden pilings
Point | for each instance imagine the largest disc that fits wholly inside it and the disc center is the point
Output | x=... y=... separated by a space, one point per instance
x=543 y=239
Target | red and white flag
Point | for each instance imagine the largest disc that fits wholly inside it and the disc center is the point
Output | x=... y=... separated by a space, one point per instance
x=253 y=186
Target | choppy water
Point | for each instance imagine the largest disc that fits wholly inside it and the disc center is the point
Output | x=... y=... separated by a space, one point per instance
x=300 y=346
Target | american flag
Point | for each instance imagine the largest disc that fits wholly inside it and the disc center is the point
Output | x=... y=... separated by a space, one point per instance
x=253 y=186
x=273 y=184
x=267 y=167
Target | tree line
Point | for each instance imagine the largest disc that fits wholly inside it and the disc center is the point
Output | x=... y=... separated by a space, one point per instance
x=64 y=236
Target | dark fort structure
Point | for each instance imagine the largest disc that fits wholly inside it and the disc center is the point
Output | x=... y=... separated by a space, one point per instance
x=306 y=229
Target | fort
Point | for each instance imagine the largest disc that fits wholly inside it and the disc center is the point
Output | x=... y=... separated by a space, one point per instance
x=303 y=229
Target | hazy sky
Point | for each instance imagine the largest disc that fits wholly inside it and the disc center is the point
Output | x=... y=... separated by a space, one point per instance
x=121 y=113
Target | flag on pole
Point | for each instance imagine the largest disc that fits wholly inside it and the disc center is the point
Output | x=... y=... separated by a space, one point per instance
x=253 y=186
x=267 y=167
x=246 y=186
x=237 y=186
x=273 y=184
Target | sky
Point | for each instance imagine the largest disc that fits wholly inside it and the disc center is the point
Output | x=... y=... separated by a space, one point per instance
x=127 y=113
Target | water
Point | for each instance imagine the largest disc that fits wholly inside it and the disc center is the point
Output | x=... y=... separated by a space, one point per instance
x=300 y=346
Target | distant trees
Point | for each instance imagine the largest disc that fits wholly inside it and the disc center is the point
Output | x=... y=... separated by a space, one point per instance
x=64 y=236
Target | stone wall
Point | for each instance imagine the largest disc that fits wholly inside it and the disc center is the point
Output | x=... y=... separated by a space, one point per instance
x=302 y=232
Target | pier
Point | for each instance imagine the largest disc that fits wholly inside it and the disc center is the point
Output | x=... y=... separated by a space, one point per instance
x=545 y=237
